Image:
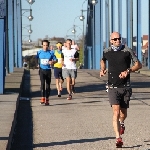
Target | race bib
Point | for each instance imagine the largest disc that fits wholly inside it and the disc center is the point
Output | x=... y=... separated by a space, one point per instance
x=44 y=61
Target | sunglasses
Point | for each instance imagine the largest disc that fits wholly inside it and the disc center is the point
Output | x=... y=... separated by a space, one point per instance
x=115 y=39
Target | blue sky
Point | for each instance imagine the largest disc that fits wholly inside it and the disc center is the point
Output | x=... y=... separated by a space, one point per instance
x=56 y=17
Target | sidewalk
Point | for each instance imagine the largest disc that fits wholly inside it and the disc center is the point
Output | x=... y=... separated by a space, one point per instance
x=8 y=105
x=85 y=122
x=145 y=71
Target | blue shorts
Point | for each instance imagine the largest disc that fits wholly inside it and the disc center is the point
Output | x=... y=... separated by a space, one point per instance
x=58 y=73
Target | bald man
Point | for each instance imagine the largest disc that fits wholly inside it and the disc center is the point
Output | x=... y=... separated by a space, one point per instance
x=119 y=59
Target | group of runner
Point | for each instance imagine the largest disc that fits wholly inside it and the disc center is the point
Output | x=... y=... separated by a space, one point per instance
x=63 y=59
x=119 y=90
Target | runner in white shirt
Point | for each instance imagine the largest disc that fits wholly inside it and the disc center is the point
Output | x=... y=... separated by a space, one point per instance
x=70 y=56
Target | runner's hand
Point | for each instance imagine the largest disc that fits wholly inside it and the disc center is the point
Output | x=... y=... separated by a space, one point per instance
x=102 y=73
x=71 y=59
x=51 y=62
x=123 y=74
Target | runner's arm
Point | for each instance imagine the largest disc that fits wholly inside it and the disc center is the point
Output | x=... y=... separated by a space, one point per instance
x=136 y=63
x=76 y=56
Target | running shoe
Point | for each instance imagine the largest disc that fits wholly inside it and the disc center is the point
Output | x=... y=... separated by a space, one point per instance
x=59 y=95
x=47 y=102
x=42 y=100
x=69 y=97
x=119 y=143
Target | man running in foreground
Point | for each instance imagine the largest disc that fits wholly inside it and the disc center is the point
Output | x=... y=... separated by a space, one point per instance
x=119 y=91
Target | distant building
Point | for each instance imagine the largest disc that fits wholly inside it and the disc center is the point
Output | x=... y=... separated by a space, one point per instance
x=38 y=43
x=54 y=40
x=145 y=39
x=144 y=43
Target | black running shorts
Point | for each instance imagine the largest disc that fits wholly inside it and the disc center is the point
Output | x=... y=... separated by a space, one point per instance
x=120 y=96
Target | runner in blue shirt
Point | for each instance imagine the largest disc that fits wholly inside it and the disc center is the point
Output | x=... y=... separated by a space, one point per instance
x=46 y=59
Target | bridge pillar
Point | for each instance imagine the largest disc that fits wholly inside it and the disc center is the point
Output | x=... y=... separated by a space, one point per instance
x=89 y=49
x=15 y=35
x=107 y=23
x=93 y=38
x=2 y=45
x=112 y=16
x=10 y=36
x=19 y=21
x=129 y=6
x=148 y=35
x=120 y=17
x=139 y=52
x=98 y=33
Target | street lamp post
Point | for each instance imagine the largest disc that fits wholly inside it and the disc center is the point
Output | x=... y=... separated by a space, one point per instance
x=82 y=19
x=30 y=17
x=74 y=32
x=74 y=28
x=29 y=40
x=29 y=30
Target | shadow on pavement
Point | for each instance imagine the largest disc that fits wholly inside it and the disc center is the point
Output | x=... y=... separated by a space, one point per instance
x=71 y=142
x=23 y=134
x=86 y=88
x=76 y=103
x=90 y=88
x=140 y=84
x=52 y=93
x=4 y=138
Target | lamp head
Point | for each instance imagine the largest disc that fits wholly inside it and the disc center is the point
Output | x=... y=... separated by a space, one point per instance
x=30 y=31
x=81 y=17
x=30 y=18
x=94 y=2
x=31 y=1
x=73 y=31
x=29 y=40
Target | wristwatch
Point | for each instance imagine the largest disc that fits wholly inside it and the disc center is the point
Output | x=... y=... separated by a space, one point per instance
x=128 y=70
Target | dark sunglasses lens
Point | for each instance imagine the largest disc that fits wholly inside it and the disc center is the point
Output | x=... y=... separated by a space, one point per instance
x=115 y=39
